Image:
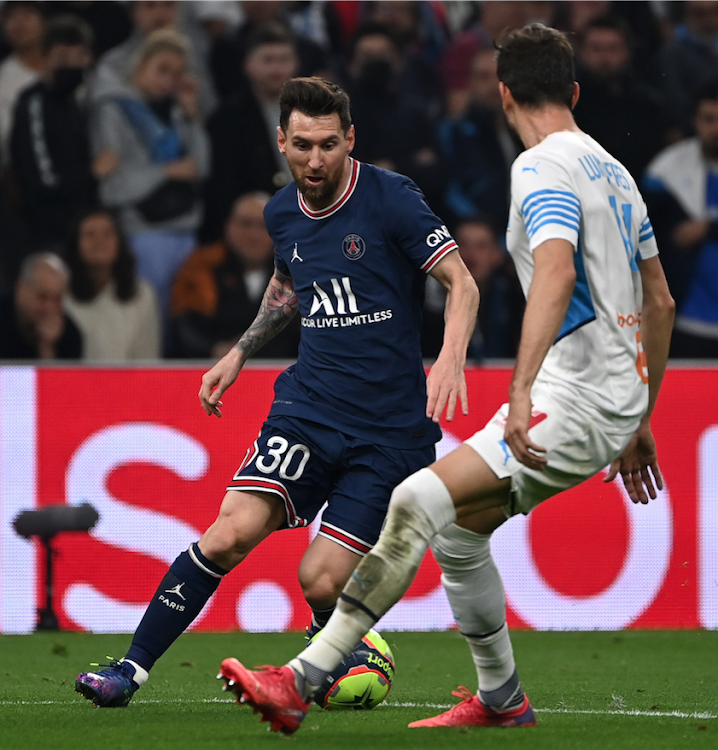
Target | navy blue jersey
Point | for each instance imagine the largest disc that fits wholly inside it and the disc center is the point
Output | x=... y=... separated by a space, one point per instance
x=359 y=268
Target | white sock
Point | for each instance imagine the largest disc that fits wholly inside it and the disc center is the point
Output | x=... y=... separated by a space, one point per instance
x=141 y=675
x=339 y=637
x=476 y=594
x=471 y=579
x=419 y=507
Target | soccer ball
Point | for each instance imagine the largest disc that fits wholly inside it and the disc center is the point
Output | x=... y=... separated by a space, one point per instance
x=362 y=680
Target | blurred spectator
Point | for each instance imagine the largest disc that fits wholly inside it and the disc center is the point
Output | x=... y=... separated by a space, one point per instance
x=109 y=21
x=22 y=24
x=575 y=15
x=116 y=67
x=218 y=18
x=33 y=324
x=615 y=107
x=649 y=28
x=49 y=149
x=409 y=145
x=681 y=190
x=229 y=53
x=318 y=22
x=498 y=327
x=493 y=20
x=161 y=151
x=690 y=60
x=420 y=34
x=116 y=311
x=641 y=18
x=243 y=130
x=478 y=149
x=218 y=292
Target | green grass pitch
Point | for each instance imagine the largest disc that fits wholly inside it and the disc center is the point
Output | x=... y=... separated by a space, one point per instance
x=591 y=690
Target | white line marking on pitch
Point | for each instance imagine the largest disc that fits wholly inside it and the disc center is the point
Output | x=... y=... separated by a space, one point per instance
x=569 y=711
x=598 y=712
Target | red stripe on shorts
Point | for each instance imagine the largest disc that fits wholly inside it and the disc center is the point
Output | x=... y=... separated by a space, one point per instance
x=346 y=540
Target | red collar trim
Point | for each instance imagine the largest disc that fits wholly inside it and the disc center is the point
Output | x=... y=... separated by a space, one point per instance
x=339 y=202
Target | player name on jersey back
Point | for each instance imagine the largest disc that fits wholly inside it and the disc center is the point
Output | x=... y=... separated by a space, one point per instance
x=568 y=187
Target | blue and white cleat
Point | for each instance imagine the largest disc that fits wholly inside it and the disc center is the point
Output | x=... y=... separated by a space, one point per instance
x=108 y=688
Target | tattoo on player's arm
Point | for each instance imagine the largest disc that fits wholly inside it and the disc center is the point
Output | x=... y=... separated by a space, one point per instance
x=278 y=307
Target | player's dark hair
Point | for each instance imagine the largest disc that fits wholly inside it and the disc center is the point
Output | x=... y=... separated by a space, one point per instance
x=536 y=64
x=314 y=97
x=269 y=33
x=67 y=30
x=123 y=270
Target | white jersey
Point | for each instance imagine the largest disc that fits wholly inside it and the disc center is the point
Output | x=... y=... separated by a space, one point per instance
x=569 y=187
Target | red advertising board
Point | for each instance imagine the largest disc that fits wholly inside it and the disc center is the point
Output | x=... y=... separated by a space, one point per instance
x=136 y=445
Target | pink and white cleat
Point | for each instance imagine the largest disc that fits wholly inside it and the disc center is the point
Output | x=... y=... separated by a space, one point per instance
x=271 y=692
x=471 y=712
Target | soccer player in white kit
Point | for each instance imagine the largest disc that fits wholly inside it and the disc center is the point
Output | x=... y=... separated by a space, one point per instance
x=592 y=355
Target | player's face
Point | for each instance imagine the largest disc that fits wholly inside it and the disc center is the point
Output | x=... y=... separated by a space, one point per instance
x=317 y=151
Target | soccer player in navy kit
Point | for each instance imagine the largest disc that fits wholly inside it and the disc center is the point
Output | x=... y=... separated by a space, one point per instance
x=356 y=414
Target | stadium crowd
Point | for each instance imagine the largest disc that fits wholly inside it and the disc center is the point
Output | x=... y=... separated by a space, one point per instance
x=138 y=149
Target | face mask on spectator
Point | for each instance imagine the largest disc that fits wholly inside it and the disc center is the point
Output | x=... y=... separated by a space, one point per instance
x=65 y=80
x=376 y=75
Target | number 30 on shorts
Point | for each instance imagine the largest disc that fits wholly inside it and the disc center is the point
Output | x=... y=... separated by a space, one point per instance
x=291 y=460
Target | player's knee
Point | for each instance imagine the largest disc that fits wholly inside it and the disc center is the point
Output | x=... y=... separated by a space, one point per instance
x=238 y=529
x=221 y=544
x=416 y=500
x=457 y=550
x=320 y=591
x=406 y=499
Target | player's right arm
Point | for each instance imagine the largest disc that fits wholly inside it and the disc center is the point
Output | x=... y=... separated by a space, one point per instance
x=656 y=326
x=546 y=202
x=552 y=284
x=279 y=305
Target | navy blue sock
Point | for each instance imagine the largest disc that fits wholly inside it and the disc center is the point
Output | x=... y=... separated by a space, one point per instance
x=179 y=598
x=320 y=617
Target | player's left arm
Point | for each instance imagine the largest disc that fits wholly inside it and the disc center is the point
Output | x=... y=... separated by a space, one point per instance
x=446 y=382
x=638 y=464
x=552 y=284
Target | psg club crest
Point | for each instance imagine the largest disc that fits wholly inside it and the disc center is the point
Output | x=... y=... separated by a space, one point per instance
x=353 y=247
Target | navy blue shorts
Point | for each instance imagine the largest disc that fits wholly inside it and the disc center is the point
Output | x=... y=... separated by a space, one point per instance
x=307 y=464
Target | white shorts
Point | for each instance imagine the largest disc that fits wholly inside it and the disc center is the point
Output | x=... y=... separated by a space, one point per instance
x=579 y=438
